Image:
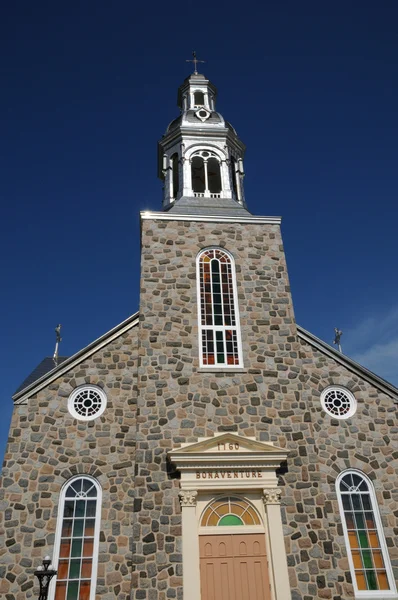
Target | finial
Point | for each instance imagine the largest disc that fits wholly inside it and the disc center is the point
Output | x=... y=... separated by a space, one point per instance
x=195 y=61
x=58 y=339
x=338 y=334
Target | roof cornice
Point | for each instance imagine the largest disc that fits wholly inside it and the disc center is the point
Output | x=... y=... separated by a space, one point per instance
x=163 y=216
x=77 y=358
x=354 y=367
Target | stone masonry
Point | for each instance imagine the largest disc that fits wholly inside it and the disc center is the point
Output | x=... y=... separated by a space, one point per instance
x=275 y=398
x=46 y=447
x=158 y=398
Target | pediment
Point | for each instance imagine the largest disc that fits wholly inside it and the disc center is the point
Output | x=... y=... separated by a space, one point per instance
x=228 y=443
x=225 y=449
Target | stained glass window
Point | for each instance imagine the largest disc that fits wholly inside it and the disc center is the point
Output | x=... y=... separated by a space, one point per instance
x=218 y=319
x=229 y=511
x=369 y=559
x=78 y=535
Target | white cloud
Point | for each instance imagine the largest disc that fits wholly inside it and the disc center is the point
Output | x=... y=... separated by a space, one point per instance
x=374 y=344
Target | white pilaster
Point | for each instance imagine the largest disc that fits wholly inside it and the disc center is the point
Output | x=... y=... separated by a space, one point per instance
x=275 y=531
x=190 y=545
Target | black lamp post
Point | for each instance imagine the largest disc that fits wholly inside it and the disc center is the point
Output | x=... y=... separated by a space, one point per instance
x=44 y=574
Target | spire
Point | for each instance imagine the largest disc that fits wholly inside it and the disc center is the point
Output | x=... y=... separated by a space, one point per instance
x=201 y=155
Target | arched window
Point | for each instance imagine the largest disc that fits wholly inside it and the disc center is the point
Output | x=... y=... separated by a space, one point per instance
x=218 y=309
x=206 y=174
x=199 y=99
x=77 y=537
x=214 y=175
x=366 y=546
x=229 y=511
x=175 y=176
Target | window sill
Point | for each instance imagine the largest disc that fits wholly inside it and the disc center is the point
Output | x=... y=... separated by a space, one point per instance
x=377 y=596
x=221 y=370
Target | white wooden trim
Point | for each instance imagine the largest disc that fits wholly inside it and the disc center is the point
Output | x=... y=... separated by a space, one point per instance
x=57 y=539
x=161 y=216
x=76 y=392
x=367 y=594
x=348 y=393
x=215 y=328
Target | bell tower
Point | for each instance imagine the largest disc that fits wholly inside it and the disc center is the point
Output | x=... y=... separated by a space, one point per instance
x=200 y=157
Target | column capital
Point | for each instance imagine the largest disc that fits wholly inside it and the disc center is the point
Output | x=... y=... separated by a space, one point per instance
x=272 y=496
x=188 y=497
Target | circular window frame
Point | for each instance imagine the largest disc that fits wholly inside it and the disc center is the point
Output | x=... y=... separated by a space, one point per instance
x=353 y=403
x=71 y=402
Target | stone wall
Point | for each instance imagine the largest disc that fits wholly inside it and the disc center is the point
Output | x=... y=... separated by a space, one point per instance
x=275 y=398
x=368 y=441
x=46 y=447
x=179 y=403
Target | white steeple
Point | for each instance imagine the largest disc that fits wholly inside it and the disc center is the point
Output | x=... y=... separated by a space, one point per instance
x=200 y=155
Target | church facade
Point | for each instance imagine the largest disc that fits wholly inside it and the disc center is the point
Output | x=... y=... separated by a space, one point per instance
x=206 y=448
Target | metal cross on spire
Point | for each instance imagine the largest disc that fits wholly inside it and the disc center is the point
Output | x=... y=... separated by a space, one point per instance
x=195 y=61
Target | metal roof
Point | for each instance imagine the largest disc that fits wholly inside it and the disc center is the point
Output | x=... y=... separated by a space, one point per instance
x=46 y=365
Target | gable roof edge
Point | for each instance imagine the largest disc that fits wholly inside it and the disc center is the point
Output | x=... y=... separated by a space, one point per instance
x=352 y=365
x=76 y=358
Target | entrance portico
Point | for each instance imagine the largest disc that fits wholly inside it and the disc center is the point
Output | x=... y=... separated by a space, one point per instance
x=220 y=468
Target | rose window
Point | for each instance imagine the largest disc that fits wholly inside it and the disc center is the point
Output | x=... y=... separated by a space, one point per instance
x=338 y=402
x=86 y=403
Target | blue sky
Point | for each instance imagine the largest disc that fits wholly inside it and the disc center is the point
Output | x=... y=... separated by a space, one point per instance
x=89 y=87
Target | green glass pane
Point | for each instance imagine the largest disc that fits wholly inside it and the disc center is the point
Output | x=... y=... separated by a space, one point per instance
x=68 y=509
x=91 y=505
x=73 y=590
x=78 y=528
x=77 y=548
x=372 y=580
x=363 y=539
x=74 y=569
x=80 y=508
x=367 y=559
x=356 y=501
x=360 y=521
x=230 y=520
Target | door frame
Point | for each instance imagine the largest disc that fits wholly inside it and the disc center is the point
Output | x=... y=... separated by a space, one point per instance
x=231 y=464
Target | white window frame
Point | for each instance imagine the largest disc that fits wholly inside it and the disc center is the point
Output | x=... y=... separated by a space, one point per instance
x=76 y=392
x=348 y=393
x=367 y=594
x=215 y=328
x=57 y=540
x=207 y=193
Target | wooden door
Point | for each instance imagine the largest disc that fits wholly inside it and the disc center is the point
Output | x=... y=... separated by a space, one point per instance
x=234 y=567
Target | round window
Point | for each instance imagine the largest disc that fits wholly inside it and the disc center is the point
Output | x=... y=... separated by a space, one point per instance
x=338 y=402
x=87 y=402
